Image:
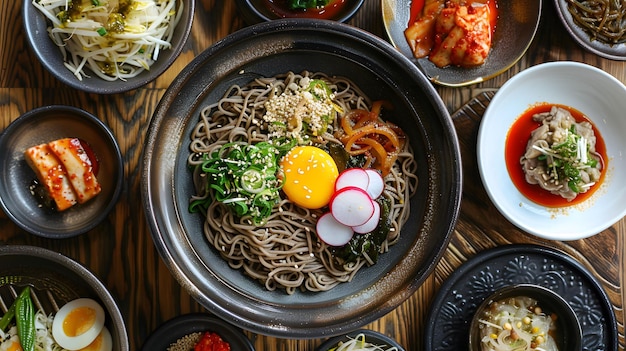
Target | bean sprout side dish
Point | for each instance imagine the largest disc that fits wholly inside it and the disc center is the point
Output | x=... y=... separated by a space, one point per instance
x=115 y=39
x=517 y=324
x=304 y=131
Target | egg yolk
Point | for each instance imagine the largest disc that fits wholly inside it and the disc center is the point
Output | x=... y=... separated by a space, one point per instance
x=15 y=347
x=78 y=321
x=310 y=175
x=96 y=345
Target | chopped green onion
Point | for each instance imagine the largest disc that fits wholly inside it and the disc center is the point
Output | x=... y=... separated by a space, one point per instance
x=102 y=31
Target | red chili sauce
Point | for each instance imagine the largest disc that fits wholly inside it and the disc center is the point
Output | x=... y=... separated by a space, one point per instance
x=516 y=141
x=281 y=9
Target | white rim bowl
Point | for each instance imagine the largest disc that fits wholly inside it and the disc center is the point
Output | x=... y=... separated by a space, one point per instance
x=595 y=93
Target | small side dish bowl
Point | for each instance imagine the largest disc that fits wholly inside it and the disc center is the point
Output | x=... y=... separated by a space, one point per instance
x=381 y=340
x=50 y=56
x=597 y=95
x=54 y=280
x=43 y=125
x=255 y=11
x=584 y=39
x=184 y=330
x=567 y=332
x=516 y=19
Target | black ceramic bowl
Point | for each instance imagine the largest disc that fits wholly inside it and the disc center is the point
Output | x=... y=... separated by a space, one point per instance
x=371 y=336
x=42 y=125
x=255 y=11
x=48 y=53
x=268 y=49
x=54 y=280
x=568 y=332
x=183 y=326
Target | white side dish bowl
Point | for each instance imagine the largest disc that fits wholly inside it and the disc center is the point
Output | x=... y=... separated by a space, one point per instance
x=600 y=97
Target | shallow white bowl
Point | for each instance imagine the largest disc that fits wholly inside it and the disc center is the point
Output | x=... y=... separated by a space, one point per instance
x=597 y=94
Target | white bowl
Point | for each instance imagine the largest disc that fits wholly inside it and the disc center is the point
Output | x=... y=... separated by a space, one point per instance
x=595 y=93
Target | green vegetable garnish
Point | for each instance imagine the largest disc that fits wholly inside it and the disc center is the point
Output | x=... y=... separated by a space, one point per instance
x=307 y=4
x=243 y=177
x=23 y=312
x=102 y=31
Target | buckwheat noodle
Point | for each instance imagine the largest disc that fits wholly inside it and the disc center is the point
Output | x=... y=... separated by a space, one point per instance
x=284 y=253
x=115 y=39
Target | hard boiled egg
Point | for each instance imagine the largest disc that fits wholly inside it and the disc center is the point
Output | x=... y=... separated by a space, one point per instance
x=310 y=175
x=12 y=344
x=103 y=342
x=78 y=323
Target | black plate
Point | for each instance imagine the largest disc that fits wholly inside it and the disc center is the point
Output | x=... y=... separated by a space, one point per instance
x=479 y=277
x=178 y=327
x=55 y=280
x=271 y=48
x=517 y=24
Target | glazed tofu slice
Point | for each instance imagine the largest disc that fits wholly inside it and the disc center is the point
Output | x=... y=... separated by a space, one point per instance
x=78 y=167
x=51 y=174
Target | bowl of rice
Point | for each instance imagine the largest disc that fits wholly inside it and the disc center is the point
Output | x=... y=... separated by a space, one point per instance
x=107 y=46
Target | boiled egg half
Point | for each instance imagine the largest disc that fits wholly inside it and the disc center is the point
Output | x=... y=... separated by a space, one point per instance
x=78 y=324
x=309 y=176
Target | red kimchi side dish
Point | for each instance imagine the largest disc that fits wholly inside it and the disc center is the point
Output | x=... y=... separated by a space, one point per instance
x=452 y=32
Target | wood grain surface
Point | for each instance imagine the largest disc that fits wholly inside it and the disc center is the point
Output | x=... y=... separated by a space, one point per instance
x=120 y=250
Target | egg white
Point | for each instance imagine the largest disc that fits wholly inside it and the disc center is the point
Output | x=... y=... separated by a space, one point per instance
x=105 y=345
x=82 y=340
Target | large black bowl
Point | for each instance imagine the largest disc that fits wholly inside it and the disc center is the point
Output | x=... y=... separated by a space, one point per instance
x=271 y=48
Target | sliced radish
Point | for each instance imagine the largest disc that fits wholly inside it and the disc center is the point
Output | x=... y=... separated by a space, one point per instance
x=356 y=177
x=333 y=233
x=376 y=183
x=371 y=224
x=351 y=206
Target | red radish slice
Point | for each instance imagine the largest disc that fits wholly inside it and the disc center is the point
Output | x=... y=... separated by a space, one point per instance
x=351 y=206
x=356 y=177
x=333 y=233
x=371 y=224
x=376 y=183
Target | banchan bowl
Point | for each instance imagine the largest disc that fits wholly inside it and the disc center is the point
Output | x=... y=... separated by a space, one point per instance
x=54 y=280
x=43 y=125
x=50 y=56
x=255 y=11
x=595 y=93
x=268 y=49
x=567 y=330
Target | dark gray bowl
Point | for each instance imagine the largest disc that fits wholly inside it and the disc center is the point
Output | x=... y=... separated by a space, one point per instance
x=35 y=25
x=568 y=334
x=255 y=11
x=371 y=336
x=178 y=327
x=55 y=280
x=268 y=49
x=45 y=124
x=517 y=24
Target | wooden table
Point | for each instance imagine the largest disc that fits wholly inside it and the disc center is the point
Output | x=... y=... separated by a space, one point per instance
x=120 y=250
